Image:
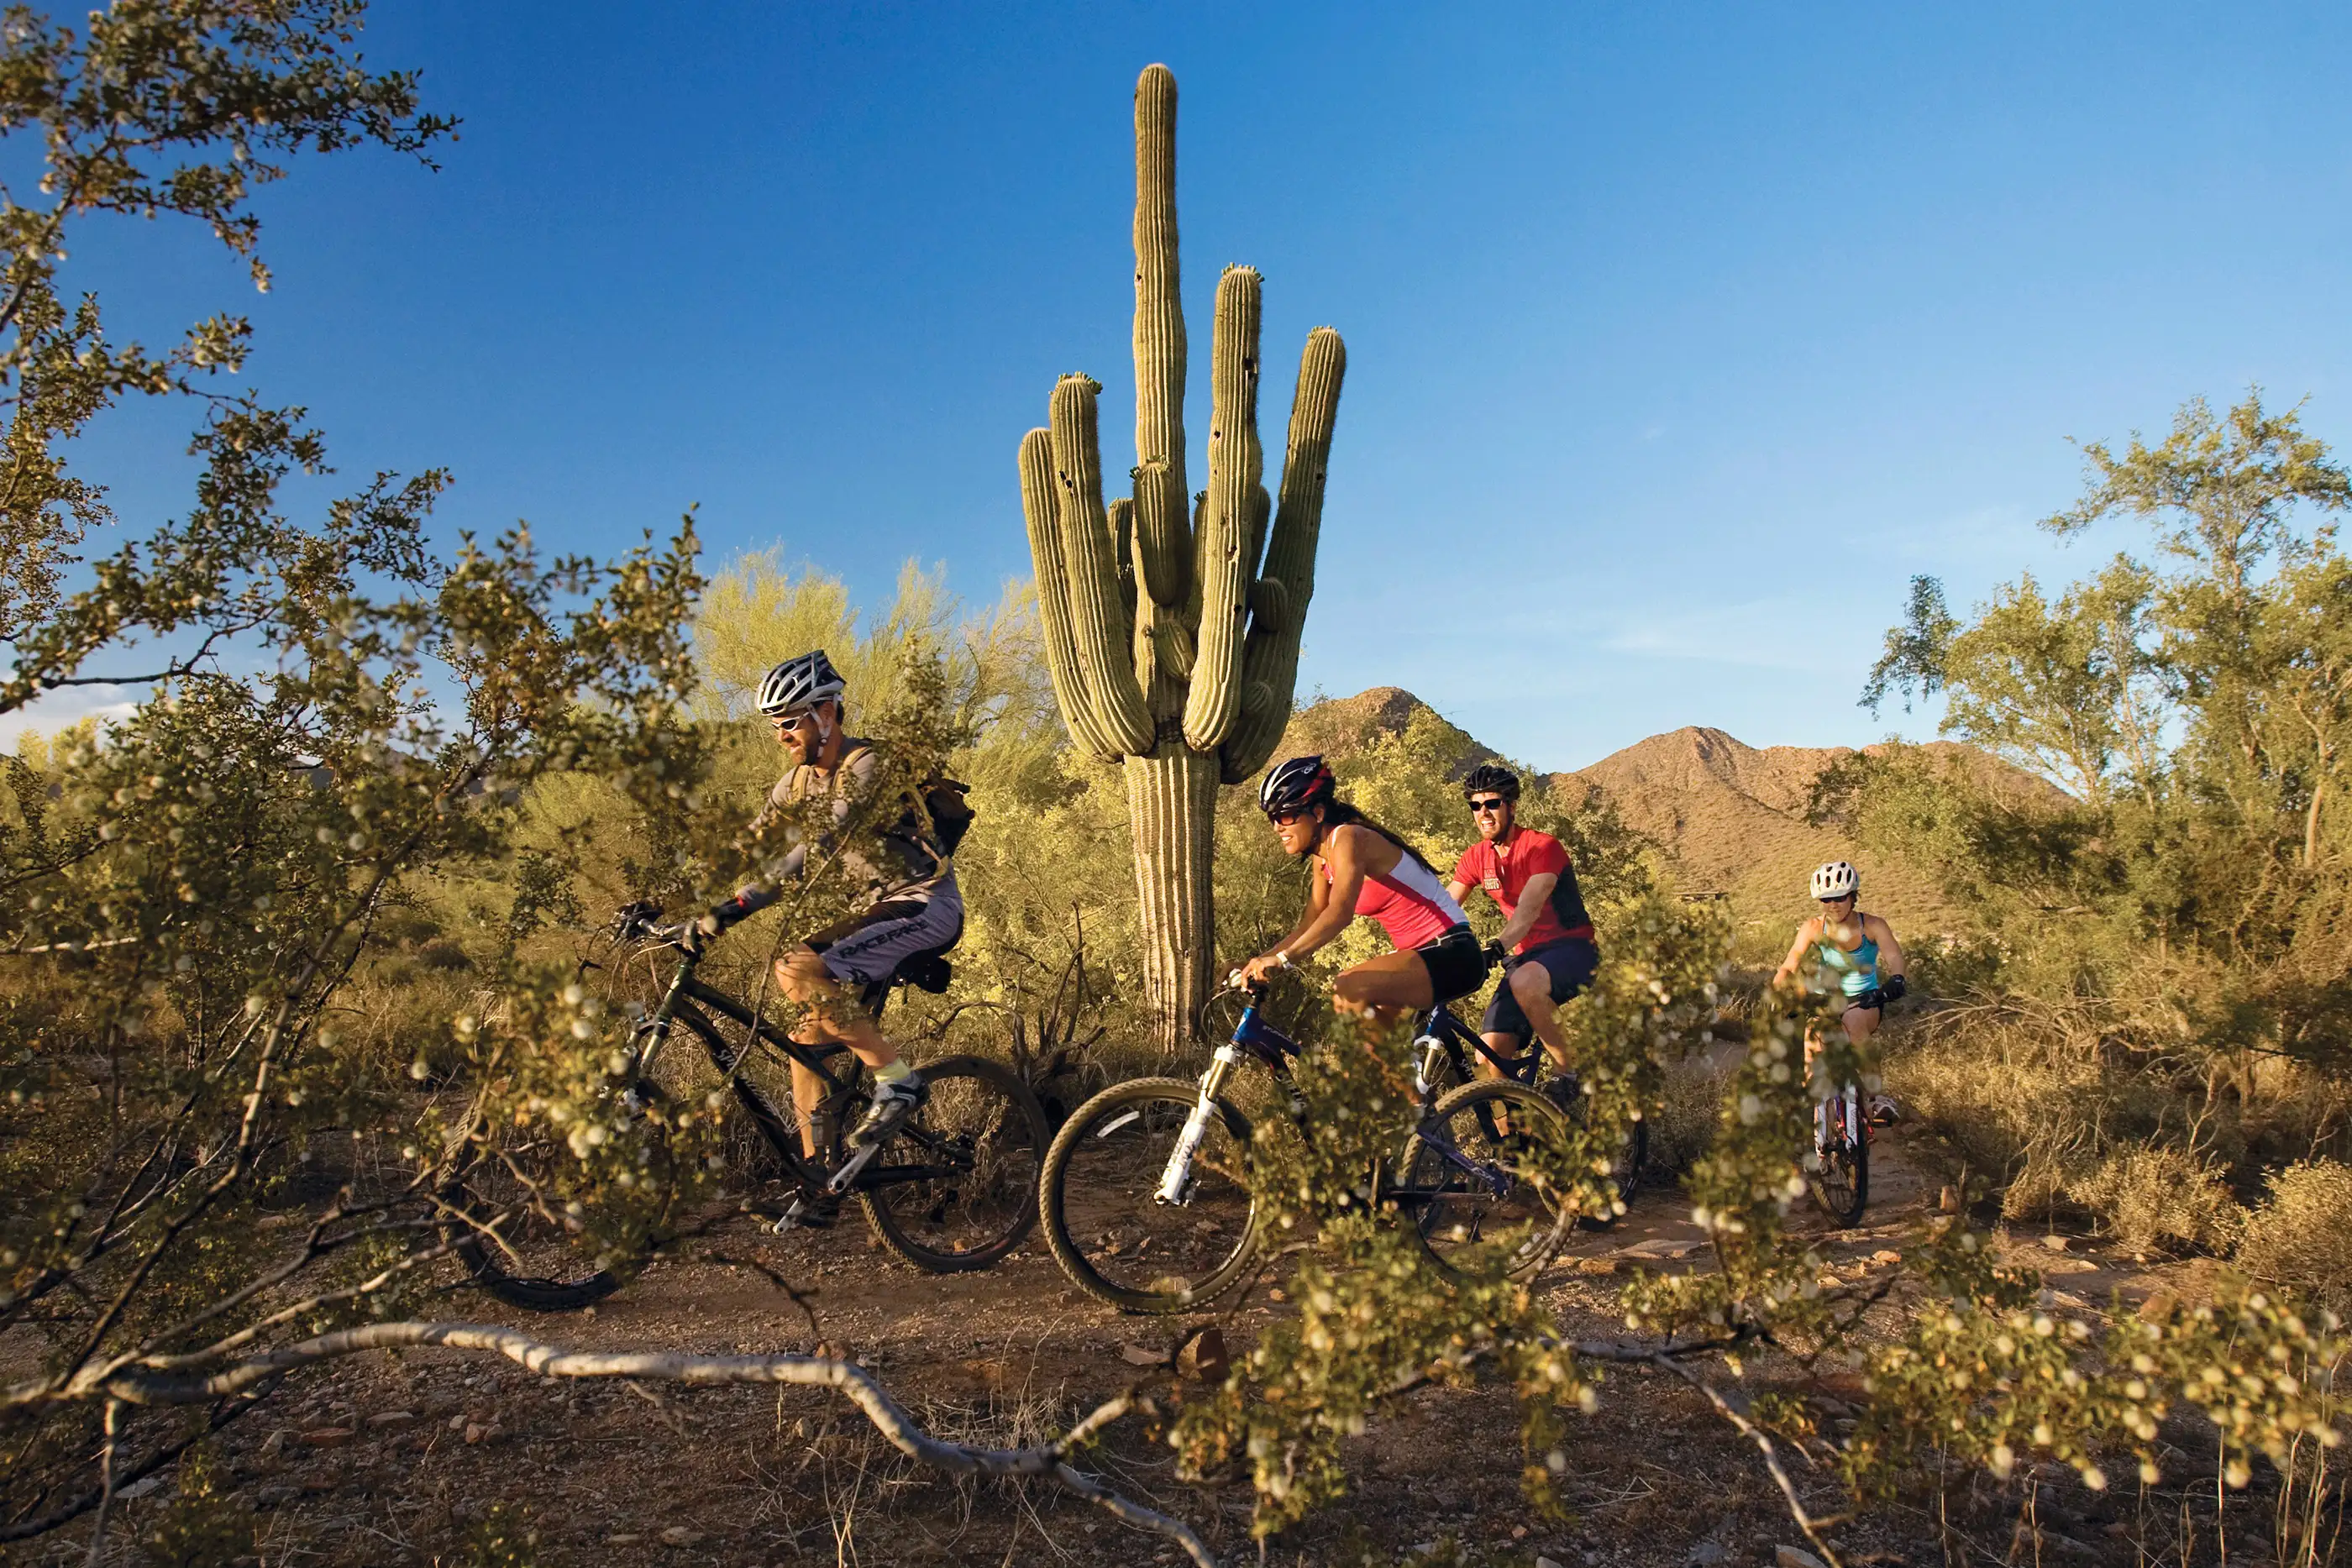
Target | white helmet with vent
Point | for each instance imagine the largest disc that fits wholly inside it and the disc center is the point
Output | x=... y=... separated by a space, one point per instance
x=797 y=682
x=1838 y=879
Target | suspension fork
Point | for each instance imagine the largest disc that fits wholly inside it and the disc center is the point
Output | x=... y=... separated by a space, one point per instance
x=1176 y=1180
x=651 y=1032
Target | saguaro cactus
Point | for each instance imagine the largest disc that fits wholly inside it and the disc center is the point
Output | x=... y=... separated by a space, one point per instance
x=1173 y=638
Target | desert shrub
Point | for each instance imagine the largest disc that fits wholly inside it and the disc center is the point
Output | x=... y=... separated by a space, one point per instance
x=1683 y=1122
x=2300 y=1239
x=2161 y=1199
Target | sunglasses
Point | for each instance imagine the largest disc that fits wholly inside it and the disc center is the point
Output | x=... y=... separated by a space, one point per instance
x=1841 y=898
x=1485 y=806
x=1283 y=818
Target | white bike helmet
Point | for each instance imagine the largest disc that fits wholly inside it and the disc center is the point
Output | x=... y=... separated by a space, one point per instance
x=1836 y=880
x=797 y=682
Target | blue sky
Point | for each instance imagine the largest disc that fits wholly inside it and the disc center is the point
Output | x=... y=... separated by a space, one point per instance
x=1679 y=338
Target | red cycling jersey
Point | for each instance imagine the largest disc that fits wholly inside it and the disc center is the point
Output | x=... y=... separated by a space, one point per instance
x=1409 y=901
x=1504 y=872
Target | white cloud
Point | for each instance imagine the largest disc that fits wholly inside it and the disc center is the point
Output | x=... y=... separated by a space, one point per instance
x=54 y=710
x=1776 y=633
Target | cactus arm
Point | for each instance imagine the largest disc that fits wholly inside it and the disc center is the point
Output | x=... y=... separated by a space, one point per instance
x=1286 y=581
x=1098 y=627
x=1122 y=551
x=1164 y=542
x=1041 y=509
x=1235 y=464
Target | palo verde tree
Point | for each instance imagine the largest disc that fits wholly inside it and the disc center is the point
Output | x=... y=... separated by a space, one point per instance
x=1174 y=640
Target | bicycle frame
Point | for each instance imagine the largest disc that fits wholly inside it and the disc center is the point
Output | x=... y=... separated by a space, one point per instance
x=1439 y=1032
x=685 y=995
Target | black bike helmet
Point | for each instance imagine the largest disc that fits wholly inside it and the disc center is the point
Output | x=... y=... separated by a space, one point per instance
x=1491 y=776
x=798 y=682
x=1296 y=784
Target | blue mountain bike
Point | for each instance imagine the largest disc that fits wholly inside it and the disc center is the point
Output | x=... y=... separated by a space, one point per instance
x=1145 y=1193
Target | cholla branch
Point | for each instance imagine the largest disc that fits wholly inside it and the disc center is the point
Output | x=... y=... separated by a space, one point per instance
x=132 y=1474
x=1763 y=1442
x=140 y=1385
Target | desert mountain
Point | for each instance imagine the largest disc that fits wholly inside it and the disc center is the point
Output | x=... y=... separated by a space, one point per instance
x=1729 y=817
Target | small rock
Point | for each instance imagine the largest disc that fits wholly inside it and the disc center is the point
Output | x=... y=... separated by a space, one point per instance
x=273 y=1495
x=2158 y=1307
x=392 y=1419
x=1706 y=1552
x=679 y=1535
x=457 y=1422
x=1596 y=1265
x=1660 y=1247
x=1548 y=1562
x=1518 y=1533
x=1205 y=1358
x=2057 y=1243
x=327 y=1437
x=2118 y=1529
x=1142 y=1356
x=140 y=1487
x=1948 y=1200
x=476 y=1432
x=623 y=1538
x=1887 y=1255
x=1795 y=1557
x=274 y=1445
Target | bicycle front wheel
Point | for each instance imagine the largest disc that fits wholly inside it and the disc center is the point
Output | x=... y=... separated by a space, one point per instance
x=1104 y=1219
x=1480 y=1181
x=955 y=1188
x=1841 y=1176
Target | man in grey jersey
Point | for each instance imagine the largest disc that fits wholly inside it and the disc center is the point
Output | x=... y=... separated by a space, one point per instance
x=915 y=907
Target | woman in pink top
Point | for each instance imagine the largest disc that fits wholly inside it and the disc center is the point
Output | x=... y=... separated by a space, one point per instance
x=1365 y=870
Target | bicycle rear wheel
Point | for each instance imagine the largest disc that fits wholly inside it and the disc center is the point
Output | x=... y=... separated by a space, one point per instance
x=1103 y=1218
x=955 y=1188
x=1479 y=1181
x=1840 y=1178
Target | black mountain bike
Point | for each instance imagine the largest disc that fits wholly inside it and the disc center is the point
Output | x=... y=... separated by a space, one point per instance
x=1146 y=1193
x=953 y=1189
x=1447 y=1062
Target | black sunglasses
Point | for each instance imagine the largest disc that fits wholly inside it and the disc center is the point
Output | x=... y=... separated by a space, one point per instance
x=1493 y=805
x=1283 y=818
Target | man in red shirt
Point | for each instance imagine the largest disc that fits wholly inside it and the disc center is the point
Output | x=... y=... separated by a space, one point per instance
x=1528 y=875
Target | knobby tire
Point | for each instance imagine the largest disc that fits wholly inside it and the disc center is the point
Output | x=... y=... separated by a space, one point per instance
x=1102 y=1219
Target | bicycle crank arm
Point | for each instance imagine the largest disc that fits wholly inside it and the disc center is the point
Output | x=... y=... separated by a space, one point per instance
x=848 y=1173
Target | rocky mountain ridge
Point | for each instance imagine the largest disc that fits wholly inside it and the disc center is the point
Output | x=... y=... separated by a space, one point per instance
x=1730 y=816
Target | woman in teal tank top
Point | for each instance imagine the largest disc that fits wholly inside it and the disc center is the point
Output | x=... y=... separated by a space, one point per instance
x=1854 y=951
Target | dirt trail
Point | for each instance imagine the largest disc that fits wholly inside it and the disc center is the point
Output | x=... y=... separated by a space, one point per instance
x=393 y=1461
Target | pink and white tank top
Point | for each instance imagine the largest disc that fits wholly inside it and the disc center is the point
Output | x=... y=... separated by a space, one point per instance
x=1409 y=901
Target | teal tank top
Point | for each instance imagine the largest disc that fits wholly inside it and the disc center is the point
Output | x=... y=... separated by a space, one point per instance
x=1856 y=971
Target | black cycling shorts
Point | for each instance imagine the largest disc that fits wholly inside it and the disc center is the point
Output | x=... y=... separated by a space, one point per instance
x=1455 y=962
x=1569 y=962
